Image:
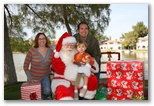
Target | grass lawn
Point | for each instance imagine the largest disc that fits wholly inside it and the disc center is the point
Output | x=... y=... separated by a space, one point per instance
x=12 y=92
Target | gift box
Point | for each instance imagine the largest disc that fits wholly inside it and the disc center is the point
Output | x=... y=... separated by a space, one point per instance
x=31 y=91
x=125 y=80
x=101 y=93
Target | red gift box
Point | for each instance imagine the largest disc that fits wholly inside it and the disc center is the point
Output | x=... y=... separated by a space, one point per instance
x=31 y=91
x=125 y=79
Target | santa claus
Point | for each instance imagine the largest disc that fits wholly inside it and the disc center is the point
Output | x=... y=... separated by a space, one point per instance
x=65 y=72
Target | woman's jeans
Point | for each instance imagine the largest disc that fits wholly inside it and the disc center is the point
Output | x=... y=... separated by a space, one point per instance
x=46 y=87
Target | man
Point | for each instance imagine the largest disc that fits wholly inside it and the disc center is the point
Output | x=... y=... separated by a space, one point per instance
x=65 y=72
x=93 y=45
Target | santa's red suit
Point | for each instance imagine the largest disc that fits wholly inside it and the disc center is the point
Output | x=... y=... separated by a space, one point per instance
x=65 y=72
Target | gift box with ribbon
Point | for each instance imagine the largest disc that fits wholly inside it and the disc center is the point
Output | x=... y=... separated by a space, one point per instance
x=31 y=91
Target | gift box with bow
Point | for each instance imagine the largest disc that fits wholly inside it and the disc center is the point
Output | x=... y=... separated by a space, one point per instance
x=31 y=91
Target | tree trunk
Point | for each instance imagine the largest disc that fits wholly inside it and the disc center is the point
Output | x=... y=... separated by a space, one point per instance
x=66 y=21
x=9 y=69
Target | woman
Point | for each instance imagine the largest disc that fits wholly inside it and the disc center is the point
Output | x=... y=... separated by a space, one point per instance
x=39 y=60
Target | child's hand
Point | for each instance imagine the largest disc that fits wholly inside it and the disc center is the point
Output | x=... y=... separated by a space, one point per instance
x=86 y=59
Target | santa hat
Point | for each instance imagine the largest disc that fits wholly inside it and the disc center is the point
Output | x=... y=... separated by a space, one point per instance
x=65 y=38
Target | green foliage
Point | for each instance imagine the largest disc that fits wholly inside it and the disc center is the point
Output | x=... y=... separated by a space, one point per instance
x=140 y=29
x=46 y=17
x=19 y=44
x=131 y=38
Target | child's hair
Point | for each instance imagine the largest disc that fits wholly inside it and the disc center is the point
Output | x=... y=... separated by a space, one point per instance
x=81 y=42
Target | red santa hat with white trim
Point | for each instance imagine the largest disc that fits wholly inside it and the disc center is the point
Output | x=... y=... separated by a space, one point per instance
x=65 y=38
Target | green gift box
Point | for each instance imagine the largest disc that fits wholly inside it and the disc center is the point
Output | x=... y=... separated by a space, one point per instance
x=101 y=93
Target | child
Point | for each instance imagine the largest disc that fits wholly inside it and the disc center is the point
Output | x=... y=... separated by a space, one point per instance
x=82 y=58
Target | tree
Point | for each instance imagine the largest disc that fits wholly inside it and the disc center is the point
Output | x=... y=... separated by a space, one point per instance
x=69 y=15
x=19 y=44
x=140 y=29
x=9 y=69
x=47 y=17
x=131 y=38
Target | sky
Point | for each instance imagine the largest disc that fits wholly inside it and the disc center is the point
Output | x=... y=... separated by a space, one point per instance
x=125 y=20
x=122 y=18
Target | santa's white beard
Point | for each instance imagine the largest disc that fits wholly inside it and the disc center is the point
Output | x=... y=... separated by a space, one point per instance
x=67 y=56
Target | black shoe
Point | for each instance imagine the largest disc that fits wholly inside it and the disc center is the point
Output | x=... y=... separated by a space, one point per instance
x=81 y=98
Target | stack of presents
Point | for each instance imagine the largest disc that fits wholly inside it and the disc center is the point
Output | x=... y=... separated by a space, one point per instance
x=125 y=81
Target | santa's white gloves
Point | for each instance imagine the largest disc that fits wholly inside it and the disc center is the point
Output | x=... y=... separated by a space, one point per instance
x=85 y=69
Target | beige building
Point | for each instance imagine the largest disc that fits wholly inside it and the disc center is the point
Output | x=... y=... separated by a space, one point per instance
x=111 y=45
x=142 y=44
